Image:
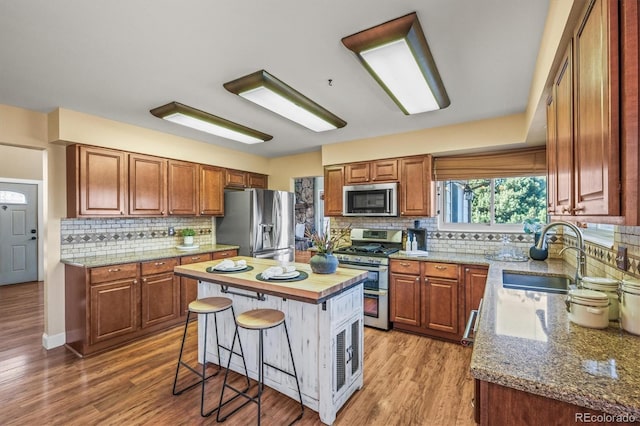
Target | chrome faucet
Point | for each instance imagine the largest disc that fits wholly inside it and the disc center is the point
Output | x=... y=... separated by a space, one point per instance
x=581 y=258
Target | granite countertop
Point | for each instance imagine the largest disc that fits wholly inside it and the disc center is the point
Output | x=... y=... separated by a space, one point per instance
x=315 y=289
x=143 y=256
x=525 y=341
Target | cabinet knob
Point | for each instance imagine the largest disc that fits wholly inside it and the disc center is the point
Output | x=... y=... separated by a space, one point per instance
x=440 y=267
x=159 y=263
x=577 y=209
x=426 y=280
x=201 y=211
x=195 y=258
x=121 y=212
x=404 y=264
x=565 y=209
x=114 y=269
x=144 y=280
x=417 y=278
x=135 y=281
x=162 y=212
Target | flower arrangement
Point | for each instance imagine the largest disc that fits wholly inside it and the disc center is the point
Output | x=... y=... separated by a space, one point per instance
x=325 y=243
x=188 y=232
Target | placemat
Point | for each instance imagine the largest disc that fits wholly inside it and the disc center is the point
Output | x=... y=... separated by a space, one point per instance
x=303 y=276
x=216 y=271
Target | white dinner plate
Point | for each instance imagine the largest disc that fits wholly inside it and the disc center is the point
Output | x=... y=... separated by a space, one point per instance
x=286 y=275
x=231 y=269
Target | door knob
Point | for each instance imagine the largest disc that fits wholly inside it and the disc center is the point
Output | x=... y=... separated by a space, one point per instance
x=33 y=238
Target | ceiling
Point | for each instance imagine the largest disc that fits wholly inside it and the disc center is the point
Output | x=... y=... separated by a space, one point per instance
x=118 y=59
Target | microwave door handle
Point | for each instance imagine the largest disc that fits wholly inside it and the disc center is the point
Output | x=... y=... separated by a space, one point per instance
x=388 y=207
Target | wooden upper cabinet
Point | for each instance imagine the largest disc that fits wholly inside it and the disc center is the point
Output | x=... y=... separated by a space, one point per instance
x=416 y=186
x=384 y=170
x=147 y=185
x=212 y=190
x=96 y=182
x=373 y=171
x=552 y=168
x=183 y=188
x=333 y=183
x=564 y=140
x=355 y=173
x=235 y=179
x=596 y=147
x=256 y=180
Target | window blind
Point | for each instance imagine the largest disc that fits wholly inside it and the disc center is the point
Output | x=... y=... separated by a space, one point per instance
x=521 y=162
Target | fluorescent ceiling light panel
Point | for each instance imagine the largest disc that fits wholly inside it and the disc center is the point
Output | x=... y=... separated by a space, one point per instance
x=205 y=122
x=267 y=91
x=396 y=54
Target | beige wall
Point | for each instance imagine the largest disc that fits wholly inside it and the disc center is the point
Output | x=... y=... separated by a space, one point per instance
x=508 y=131
x=283 y=170
x=76 y=127
x=20 y=163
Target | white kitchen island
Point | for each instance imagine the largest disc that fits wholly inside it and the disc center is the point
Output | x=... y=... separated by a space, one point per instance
x=324 y=314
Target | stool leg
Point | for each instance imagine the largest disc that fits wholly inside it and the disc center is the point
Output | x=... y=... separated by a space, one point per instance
x=204 y=363
x=260 y=372
x=225 y=385
x=244 y=361
x=295 y=373
x=184 y=336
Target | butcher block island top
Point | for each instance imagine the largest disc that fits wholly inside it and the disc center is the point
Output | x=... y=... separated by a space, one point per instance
x=315 y=289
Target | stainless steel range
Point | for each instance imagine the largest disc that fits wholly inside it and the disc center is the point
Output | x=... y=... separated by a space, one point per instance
x=370 y=252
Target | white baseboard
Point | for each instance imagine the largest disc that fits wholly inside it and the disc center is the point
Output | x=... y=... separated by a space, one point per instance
x=50 y=342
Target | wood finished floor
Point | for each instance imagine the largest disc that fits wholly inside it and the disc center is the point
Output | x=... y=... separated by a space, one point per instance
x=409 y=380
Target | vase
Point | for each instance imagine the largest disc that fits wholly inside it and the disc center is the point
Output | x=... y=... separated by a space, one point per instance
x=323 y=263
x=188 y=240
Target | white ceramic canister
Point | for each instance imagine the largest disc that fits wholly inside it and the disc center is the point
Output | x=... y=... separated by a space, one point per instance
x=630 y=305
x=608 y=286
x=588 y=308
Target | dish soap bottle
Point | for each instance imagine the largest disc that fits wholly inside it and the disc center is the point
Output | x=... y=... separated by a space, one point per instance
x=414 y=244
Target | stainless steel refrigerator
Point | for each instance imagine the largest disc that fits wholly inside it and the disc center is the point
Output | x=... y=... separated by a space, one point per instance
x=260 y=221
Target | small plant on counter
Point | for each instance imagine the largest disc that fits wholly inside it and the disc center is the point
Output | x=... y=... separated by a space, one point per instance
x=326 y=243
x=187 y=232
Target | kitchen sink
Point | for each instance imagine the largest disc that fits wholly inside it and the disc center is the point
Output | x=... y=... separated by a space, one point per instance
x=534 y=282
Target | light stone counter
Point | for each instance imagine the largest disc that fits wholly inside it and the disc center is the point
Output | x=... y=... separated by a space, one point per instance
x=525 y=341
x=143 y=256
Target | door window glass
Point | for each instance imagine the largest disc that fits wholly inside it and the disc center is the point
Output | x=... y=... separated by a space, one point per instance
x=12 y=197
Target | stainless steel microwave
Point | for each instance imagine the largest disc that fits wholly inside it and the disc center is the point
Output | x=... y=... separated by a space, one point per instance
x=379 y=199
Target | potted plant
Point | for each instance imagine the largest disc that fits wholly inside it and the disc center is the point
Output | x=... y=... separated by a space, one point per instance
x=324 y=261
x=187 y=235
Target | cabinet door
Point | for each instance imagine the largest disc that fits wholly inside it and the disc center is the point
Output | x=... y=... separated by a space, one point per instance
x=355 y=173
x=183 y=188
x=113 y=309
x=347 y=355
x=333 y=182
x=101 y=178
x=475 y=279
x=147 y=185
x=440 y=304
x=405 y=299
x=160 y=298
x=596 y=147
x=384 y=170
x=415 y=186
x=235 y=179
x=189 y=286
x=563 y=92
x=552 y=168
x=211 y=190
x=255 y=180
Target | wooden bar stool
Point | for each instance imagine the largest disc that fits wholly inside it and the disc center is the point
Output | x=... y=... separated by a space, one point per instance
x=261 y=319
x=207 y=306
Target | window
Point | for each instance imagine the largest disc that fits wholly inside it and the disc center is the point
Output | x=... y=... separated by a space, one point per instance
x=502 y=203
x=12 y=197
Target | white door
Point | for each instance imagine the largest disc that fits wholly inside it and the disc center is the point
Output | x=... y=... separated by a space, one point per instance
x=18 y=233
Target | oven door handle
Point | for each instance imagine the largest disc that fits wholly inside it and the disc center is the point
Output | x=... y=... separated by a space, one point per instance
x=377 y=292
x=377 y=268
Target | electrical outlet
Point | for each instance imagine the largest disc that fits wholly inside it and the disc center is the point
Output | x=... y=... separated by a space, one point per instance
x=621 y=258
x=172 y=231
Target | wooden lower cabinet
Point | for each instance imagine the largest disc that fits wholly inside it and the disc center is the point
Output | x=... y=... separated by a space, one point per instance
x=426 y=298
x=189 y=286
x=475 y=280
x=160 y=289
x=498 y=405
x=109 y=306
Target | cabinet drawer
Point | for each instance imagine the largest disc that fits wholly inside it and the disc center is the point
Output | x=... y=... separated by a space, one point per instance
x=195 y=258
x=405 y=266
x=158 y=266
x=224 y=253
x=444 y=270
x=113 y=273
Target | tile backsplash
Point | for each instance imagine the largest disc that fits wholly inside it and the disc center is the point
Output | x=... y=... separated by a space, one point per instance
x=100 y=237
